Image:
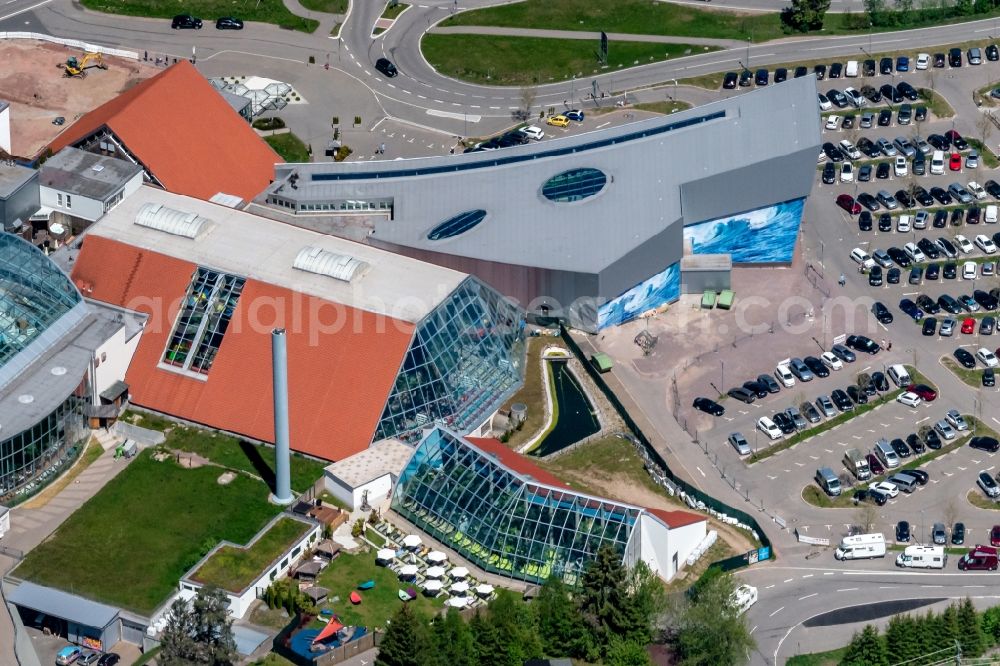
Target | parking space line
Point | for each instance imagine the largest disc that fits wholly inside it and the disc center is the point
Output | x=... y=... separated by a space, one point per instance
x=808 y=595
x=776 y=612
x=788 y=580
x=848 y=589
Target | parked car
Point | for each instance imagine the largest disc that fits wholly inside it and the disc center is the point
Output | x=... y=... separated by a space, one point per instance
x=843 y=353
x=768 y=427
x=769 y=383
x=228 y=23
x=825 y=406
x=709 y=406
x=966 y=359
x=987 y=484
x=68 y=655
x=742 y=394
x=988 y=444
x=740 y=443
x=958 y=534
x=903 y=531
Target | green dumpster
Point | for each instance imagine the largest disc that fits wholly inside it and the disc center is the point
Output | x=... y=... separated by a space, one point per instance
x=708 y=299
x=726 y=299
x=602 y=362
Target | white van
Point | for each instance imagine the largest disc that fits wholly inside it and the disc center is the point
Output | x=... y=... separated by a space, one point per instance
x=922 y=557
x=861 y=546
x=937 y=163
x=784 y=375
x=899 y=375
x=886 y=454
x=862 y=257
x=851 y=70
x=915 y=254
x=991 y=214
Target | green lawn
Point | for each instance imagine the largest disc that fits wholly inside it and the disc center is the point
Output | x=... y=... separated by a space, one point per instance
x=665 y=107
x=130 y=544
x=328 y=6
x=532 y=392
x=233 y=568
x=391 y=12
x=229 y=451
x=512 y=61
x=379 y=603
x=973 y=378
x=290 y=147
x=936 y=104
x=978 y=499
x=830 y=658
x=265 y=11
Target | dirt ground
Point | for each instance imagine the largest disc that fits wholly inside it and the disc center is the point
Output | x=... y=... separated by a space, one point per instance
x=32 y=82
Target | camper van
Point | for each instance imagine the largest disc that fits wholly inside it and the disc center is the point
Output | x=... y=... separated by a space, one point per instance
x=980 y=558
x=886 y=454
x=899 y=375
x=861 y=546
x=922 y=557
x=857 y=465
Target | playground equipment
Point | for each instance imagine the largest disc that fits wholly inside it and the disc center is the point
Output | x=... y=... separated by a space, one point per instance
x=78 y=68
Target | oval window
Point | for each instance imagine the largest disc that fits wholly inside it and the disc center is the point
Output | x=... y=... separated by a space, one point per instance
x=457 y=225
x=574 y=185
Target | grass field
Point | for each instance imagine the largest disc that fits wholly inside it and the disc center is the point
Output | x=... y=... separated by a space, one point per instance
x=607 y=458
x=973 y=378
x=130 y=544
x=328 y=6
x=379 y=603
x=665 y=107
x=266 y=11
x=978 y=499
x=514 y=61
x=233 y=568
x=391 y=12
x=532 y=393
x=936 y=104
x=830 y=658
x=290 y=147
x=230 y=451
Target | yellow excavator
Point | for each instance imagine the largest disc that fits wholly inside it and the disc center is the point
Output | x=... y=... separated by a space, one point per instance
x=74 y=67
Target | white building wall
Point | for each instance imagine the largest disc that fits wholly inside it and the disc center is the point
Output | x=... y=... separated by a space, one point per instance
x=5 y=130
x=661 y=546
x=82 y=207
x=378 y=490
x=111 y=360
x=4 y=520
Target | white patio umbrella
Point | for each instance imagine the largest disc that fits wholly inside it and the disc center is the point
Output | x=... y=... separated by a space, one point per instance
x=385 y=554
x=457 y=602
x=408 y=570
x=461 y=587
x=459 y=572
x=484 y=590
x=433 y=586
x=437 y=557
x=411 y=541
x=435 y=572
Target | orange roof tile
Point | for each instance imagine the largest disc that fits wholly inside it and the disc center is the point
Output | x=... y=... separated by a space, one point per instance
x=185 y=133
x=514 y=461
x=675 y=519
x=338 y=381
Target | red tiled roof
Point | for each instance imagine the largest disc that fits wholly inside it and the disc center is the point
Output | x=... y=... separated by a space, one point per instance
x=675 y=519
x=338 y=381
x=514 y=461
x=185 y=133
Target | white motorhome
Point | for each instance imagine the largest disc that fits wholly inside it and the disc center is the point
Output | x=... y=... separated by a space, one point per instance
x=922 y=557
x=861 y=546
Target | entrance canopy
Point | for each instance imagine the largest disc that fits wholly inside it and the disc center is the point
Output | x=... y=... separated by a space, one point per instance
x=63 y=605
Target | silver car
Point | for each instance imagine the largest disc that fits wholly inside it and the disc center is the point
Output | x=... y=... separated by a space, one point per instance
x=740 y=443
x=797 y=418
x=886 y=147
x=825 y=405
x=947 y=328
x=945 y=430
x=939 y=534
x=800 y=370
x=956 y=420
x=960 y=193
x=887 y=200
x=905 y=146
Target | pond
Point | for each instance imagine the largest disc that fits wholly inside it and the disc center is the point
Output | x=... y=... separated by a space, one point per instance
x=576 y=418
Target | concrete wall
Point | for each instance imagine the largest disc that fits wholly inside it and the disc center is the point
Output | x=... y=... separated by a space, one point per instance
x=112 y=359
x=4 y=521
x=82 y=207
x=377 y=489
x=696 y=282
x=22 y=204
x=660 y=546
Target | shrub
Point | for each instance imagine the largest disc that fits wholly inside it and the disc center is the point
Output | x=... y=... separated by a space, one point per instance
x=357 y=120
x=342 y=153
x=271 y=123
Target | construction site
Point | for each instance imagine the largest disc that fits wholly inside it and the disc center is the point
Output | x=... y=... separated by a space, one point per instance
x=45 y=82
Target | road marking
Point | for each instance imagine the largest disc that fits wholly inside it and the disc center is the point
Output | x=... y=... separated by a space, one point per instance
x=26 y=9
x=808 y=595
x=808 y=576
x=847 y=589
x=609 y=122
x=932 y=586
x=886 y=587
x=753 y=630
x=456 y=116
x=778 y=611
x=769 y=587
x=789 y=580
x=828 y=573
x=699 y=469
x=927 y=417
x=973 y=586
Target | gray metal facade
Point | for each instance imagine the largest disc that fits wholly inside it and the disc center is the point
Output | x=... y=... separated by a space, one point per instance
x=735 y=155
x=19 y=196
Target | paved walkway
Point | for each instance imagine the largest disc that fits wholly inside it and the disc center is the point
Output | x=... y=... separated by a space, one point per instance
x=326 y=21
x=580 y=34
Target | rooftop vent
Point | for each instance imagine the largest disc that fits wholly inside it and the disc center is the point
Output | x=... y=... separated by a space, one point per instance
x=97 y=168
x=339 y=266
x=171 y=221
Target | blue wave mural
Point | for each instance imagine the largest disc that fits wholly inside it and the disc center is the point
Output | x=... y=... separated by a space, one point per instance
x=762 y=236
x=648 y=294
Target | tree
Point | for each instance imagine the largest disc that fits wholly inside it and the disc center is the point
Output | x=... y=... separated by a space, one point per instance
x=647 y=601
x=866 y=516
x=622 y=652
x=492 y=651
x=970 y=630
x=902 y=638
x=516 y=628
x=710 y=630
x=453 y=641
x=561 y=626
x=406 y=641
x=199 y=631
x=991 y=624
x=805 y=15
x=603 y=597
x=866 y=649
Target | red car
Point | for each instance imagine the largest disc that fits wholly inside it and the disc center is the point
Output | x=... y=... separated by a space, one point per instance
x=847 y=202
x=874 y=464
x=969 y=326
x=926 y=393
x=995 y=536
x=955 y=162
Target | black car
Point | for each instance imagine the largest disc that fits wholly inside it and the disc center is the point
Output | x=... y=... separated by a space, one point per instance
x=992 y=188
x=940 y=219
x=868 y=68
x=842 y=400
x=780 y=75
x=758 y=389
x=880 y=382
x=801 y=71
x=761 y=77
x=865 y=221
x=950 y=272
x=985 y=444
x=769 y=382
x=939 y=142
x=228 y=23
x=108 y=659
x=965 y=358
x=836 y=69
x=741 y=394
x=956 y=140
x=933 y=271
x=932 y=439
x=872 y=93
x=920 y=475
x=922 y=196
x=900 y=447
x=884 y=118
x=865 y=384
x=891 y=93
x=819 y=71
x=862 y=343
x=709 y=406
x=729 y=81
x=746 y=78
x=989 y=378
x=907 y=91
x=829 y=173
x=929 y=248
x=914 y=442
x=920 y=114
x=882 y=170
x=992 y=53
x=885 y=66
x=881 y=313
x=186 y=22
x=928 y=304
x=942 y=195
x=848 y=121
x=892 y=275
x=903 y=531
x=985 y=299
x=939 y=60
x=972 y=215
x=875 y=276
x=916 y=273
x=817 y=366
x=901 y=258
x=857 y=395
x=833 y=152
x=957 y=216
x=784 y=422
x=904 y=198
x=987 y=326
x=383 y=65
x=869 y=202
x=868 y=147
x=955 y=57
x=958 y=534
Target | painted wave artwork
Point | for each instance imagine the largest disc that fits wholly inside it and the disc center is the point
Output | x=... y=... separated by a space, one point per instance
x=647 y=295
x=762 y=236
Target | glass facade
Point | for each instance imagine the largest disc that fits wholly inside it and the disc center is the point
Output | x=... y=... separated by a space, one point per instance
x=34 y=293
x=457 y=225
x=506 y=523
x=574 y=185
x=37 y=455
x=465 y=358
x=208 y=307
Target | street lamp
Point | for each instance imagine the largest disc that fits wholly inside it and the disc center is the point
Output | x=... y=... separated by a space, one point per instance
x=722 y=383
